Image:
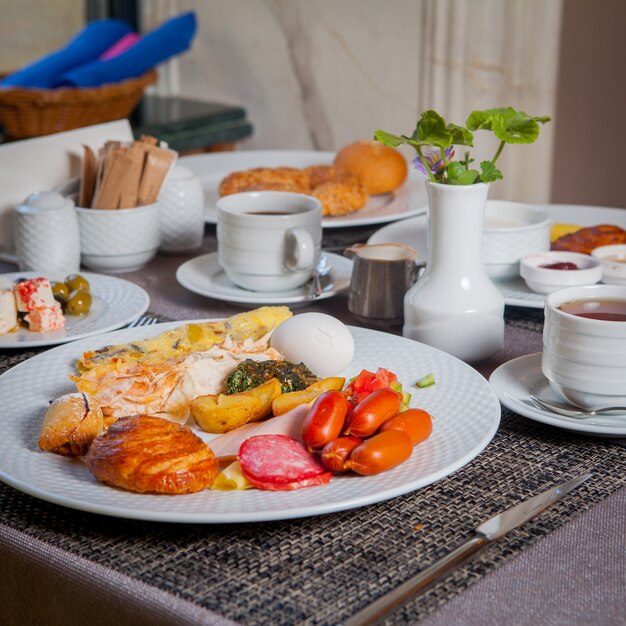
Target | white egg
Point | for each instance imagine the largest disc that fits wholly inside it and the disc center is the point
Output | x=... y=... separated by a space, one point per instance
x=321 y=342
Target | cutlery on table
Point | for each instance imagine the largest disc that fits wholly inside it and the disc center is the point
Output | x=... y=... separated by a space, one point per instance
x=143 y=320
x=321 y=277
x=569 y=410
x=491 y=530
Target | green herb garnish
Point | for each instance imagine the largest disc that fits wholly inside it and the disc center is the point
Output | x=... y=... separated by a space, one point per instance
x=250 y=374
x=426 y=381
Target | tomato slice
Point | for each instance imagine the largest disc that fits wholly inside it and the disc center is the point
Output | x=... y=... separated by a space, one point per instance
x=367 y=381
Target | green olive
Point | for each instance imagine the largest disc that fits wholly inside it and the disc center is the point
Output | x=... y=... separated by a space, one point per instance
x=62 y=301
x=76 y=281
x=79 y=302
x=59 y=289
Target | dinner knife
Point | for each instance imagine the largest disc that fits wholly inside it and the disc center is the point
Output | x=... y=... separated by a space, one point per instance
x=491 y=530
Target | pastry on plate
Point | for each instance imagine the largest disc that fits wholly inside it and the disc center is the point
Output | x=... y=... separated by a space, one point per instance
x=71 y=423
x=152 y=455
x=586 y=239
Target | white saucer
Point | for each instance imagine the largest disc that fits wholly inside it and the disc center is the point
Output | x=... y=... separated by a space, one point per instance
x=203 y=275
x=515 y=380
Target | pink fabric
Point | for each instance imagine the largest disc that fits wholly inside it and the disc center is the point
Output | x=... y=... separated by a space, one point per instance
x=121 y=45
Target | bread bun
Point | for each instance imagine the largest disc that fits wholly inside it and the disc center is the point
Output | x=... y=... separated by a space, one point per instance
x=71 y=423
x=380 y=168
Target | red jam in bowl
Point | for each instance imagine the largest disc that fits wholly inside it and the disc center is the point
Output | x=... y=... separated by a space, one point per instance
x=561 y=265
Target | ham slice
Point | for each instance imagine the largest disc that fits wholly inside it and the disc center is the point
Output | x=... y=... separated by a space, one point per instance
x=226 y=446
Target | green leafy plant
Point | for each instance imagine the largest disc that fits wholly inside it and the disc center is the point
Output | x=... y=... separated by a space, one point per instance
x=435 y=141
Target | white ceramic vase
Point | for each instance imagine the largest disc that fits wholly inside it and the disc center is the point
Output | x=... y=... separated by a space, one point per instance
x=455 y=306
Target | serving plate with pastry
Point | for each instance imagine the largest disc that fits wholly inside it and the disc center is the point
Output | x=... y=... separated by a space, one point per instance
x=363 y=183
x=251 y=418
x=574 y=228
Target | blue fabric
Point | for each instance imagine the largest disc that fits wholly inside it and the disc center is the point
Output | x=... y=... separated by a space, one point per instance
x=169 y=39
x=88 y=45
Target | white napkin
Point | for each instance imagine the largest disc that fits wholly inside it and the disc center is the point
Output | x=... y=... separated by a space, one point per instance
x=44 y=164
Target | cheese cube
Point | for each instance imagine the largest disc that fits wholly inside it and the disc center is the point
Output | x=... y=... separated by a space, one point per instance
x=34 y=293
x=8 y=311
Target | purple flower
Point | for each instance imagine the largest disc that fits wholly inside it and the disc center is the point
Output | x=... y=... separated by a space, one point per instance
x=434 y=160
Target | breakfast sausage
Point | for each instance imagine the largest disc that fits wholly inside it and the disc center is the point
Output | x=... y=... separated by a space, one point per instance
x=336 y=452
x=416 y=423
x=380 y=453
x=325 y=420
x=280 y=463
x=371 y=412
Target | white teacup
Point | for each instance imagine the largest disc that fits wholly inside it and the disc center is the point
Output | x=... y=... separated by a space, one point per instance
x=269 y=240
x=584 y=359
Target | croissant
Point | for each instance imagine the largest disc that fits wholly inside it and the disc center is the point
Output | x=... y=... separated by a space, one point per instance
x=149 y=454
x=71 y=423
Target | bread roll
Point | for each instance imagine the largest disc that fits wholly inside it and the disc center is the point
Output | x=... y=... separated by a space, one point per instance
x=380 y=168
x=71 y=423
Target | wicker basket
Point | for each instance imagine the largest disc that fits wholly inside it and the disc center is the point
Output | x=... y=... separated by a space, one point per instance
x=34 y=112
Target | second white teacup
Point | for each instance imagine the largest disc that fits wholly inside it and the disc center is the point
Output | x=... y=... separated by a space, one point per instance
x=269 y=240
x=584 y=345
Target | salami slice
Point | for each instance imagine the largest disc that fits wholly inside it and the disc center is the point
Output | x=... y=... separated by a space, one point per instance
x=320 y=479
x=280 y=463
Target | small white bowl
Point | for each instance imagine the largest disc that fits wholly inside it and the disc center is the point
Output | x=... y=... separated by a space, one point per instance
x=613 y=262
x=546 y=280
x=511 y=231
x=118 y=240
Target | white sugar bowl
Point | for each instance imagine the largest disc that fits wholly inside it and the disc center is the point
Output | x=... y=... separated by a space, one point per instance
x=182 y=211
x=47 y=236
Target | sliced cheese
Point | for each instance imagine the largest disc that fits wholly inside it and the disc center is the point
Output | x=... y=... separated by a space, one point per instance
x=231 y=478
x=559 y=230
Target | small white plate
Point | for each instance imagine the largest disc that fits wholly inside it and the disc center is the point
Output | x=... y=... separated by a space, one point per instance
x=115 y=303
x=515 y=380
x=465 y=411
x=203 y=275
x=414 y=232
x=406 y=201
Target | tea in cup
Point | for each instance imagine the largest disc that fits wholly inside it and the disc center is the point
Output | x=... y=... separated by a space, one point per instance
x=269 y=240
x=584 y=345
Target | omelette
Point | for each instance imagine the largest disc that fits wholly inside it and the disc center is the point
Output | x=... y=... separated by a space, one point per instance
x=161 y=375
x=186 y=339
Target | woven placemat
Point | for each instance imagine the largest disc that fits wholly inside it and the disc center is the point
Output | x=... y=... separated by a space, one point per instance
x=321 y=570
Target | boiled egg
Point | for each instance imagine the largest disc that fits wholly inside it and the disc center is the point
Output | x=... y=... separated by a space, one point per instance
x=321 y=342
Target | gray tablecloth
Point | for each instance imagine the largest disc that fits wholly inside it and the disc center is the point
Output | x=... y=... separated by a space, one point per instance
x=574 y=575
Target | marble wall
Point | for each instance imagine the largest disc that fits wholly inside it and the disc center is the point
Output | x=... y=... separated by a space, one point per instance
x=32 y=28
x=317 y=74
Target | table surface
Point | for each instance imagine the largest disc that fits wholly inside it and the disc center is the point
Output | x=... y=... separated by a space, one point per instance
x=574 y=575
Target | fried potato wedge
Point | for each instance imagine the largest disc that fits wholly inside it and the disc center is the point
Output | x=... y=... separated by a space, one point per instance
x=266 y=393
x=288 y=401
x=221 y=413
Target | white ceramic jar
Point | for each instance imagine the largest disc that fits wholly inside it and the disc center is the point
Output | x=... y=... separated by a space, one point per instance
x=455 y=306
x=182 y=211
x=47 y=235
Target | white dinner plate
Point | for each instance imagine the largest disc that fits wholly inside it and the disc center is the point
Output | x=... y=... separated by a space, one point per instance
x=203 y=275
x=406 y=201
x=515 y=380
x=414 y=232
x=465 y=411
x=115 y=303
